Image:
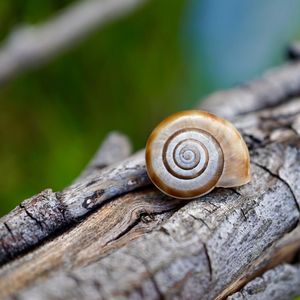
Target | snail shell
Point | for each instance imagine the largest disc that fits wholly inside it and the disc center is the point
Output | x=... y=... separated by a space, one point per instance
x=190 y=153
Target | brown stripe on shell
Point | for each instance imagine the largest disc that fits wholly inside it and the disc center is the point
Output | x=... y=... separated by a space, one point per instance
x=236 y=165
x=165 y=151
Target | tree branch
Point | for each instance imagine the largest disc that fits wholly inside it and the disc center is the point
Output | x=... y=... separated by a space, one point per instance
x=32 y=46
x=275 y=87
x=116 y=147
x=39 y=217
x=92 y=191
x=282 y=282
x=120 y=239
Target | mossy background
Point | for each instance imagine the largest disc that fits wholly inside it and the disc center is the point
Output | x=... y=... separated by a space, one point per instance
x=126 y=76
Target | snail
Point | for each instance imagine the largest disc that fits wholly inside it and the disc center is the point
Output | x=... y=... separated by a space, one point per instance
x=190 y=153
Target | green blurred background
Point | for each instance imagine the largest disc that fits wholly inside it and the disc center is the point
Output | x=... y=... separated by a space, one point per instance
x=127 y=76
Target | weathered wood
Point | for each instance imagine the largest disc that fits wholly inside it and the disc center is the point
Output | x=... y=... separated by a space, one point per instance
x=116 y=147
x=29 y=223
x=272 y=89
x=87 y=194
x=144 y=245
x=42 y=215
x=277 y=284
x=125 y=218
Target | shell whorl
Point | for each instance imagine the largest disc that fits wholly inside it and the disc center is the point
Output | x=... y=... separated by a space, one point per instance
x=185 y=154
x=193 y=154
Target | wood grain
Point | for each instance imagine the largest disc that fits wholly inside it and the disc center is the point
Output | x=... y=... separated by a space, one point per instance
x=118 y=237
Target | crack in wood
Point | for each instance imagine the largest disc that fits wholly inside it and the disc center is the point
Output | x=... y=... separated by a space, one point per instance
x=140 y=219
x=243 y=214
x=131 y=174
x=164 y=231
x=38 y=222
x=125 y=231
x=283 y=181
x=61 y=207
x=201 y=220
x=9 y=230
x=91 y=183
x=210 y=269
x=151 y=276
x=161 y=296
x=214 y=205
x=78 y=283
x=147 y=218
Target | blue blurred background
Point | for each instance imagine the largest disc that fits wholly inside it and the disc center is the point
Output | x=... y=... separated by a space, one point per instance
x=128 y=75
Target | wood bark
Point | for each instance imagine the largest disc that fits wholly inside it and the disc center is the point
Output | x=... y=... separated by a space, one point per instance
x=281 y=282
x=113 y=235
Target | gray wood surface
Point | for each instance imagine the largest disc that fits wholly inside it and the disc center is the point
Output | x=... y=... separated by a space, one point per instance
x=276 y=284
x=112 y=235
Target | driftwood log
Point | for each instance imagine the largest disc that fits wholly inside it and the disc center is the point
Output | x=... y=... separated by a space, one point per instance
x=113 y=235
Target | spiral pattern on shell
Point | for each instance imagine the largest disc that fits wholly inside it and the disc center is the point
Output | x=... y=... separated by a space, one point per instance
x=185 y=155
x=191 y=152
